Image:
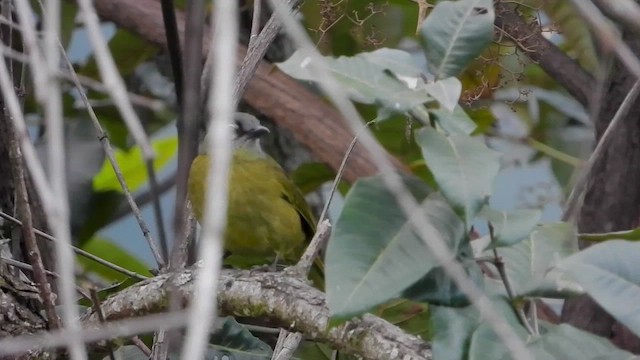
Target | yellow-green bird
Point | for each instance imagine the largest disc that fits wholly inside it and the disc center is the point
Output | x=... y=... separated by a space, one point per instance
x=268 y=218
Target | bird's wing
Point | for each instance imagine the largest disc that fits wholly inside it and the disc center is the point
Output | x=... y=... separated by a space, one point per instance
x=294 y=196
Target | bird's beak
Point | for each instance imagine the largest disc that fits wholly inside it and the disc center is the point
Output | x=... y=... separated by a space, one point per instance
x=258 y=132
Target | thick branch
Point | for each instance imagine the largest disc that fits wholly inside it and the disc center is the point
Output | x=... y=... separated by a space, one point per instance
x=286 y=300
x=566 y=71
x=291 y=105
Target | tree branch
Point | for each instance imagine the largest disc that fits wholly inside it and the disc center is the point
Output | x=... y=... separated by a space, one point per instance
x=288 y=301
x=566 y=71
x=314 y=123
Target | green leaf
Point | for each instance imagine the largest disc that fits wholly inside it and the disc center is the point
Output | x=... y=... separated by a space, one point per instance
x=460 y=333
x=446 y=92
x=310 y=176
x=234 y=338
x=463 y=167
x=438 y=289
x=113 y=253
x=527 y=262
x=128 y=51
x=566 y=342
x=511 y=227
x=368 y=265
x=104 y=293
x=132 y=165
x=456 y=122
x=609 y=273
x=631 y=235
x=410 y=316
x=385 y=77
x=455 y=33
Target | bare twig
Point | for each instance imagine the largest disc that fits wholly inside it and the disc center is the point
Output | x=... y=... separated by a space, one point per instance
x=141 y=345
x=340 y=171
x=608 y=35
x=257 y=51
x=288 y=347
x=79 y=251
x=188 y=125
x=499 y=264
x=626 y=12
x=425 y=229
x=115 y=85
x=319 y=239
x=95 y=300
x=221 y=108
x=578 y=190
x=255 y=22
x=25 y=266
x=33 y=252
x=111 y=329
x=173 y=43
x=59 y=215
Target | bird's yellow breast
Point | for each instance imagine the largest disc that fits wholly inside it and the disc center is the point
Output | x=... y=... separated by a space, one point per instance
x=261 y=222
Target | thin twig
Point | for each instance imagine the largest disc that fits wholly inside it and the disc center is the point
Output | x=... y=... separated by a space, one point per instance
x=608 y=35
x=59 y=216
x=289 y=346
x=499 y=264
x=79 y=251
x=21 y=265
x=338 y=178
x=115 y=85
x=33 y=251
x=173 y=44
x=108 y=149
x=424 y=228
x=111 y=329
x=255 y=22
x=139 y=100
x=95 y=300
x=256 y=52
x=141 y=345
x=319 y=239
x=188 y=125
x=575 y=197
x=221 y=108
x=626 y=12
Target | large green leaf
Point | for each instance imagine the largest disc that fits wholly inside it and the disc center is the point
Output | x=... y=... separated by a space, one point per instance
x=456 y=122
x=463 y=167
x=446 y=92
x=455 y=33
x=528 y=261
x=437 y=288
x=510 y=227
x=113 y=253
x=386 y=77
x=460 y=333
x=610 y=274
x=566 y=342
x=374 y=254
x=132 y=165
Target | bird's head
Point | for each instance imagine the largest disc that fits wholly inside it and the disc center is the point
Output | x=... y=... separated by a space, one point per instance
x=247 y=132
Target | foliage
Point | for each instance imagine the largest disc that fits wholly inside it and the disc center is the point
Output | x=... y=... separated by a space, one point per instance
x=442 y=98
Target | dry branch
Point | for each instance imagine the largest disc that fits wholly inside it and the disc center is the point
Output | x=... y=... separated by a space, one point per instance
x=286 y=300
x=291 y=105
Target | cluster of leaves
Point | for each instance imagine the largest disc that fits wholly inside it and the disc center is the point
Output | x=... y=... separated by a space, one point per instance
x=375 y=255
x=375 y=261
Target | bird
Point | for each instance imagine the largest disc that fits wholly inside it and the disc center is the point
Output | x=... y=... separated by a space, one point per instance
x=268 y=218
